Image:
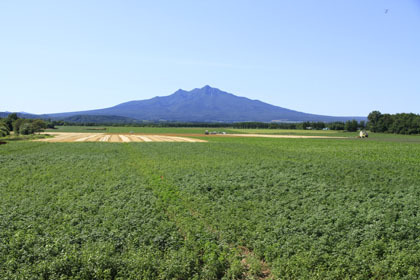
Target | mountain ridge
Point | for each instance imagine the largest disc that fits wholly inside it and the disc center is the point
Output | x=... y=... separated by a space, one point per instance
x=206 y=104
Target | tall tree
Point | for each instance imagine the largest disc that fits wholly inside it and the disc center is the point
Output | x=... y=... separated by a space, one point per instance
x=10 y=119
x=351 y=125
x=373 y=120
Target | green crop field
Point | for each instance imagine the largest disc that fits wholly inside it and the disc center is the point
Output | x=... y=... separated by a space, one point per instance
x=232 y=208
x=332 y=133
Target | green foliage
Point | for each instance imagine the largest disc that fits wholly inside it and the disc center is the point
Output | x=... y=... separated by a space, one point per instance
x=273 y=125
x=216 y=126
x=38 y=125
x=351 y=125
x=9 y=120
x=336 y=126
x=308 y=208
x=398 y=123
x=81 y=214
x=16 y=125
x=4 y=129
x=28 y=126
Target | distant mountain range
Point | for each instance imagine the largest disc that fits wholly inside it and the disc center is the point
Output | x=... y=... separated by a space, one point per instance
x=205 y=104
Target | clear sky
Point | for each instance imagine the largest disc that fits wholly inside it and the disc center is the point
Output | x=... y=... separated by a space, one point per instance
x=332 y=57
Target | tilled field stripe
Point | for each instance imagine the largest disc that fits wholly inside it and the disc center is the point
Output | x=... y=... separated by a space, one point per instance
x=144 y=138
x=124 y=138
x=105 y=138
x=133 y=138
x=102 y=137
x=94 y=139
x=163 y=138
x=114 y=138
x=187 y=139
x=62 y=137
x=85 y=138
x=176 y=139
x=154 y=138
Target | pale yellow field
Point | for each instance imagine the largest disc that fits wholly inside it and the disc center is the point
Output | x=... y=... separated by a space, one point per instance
x=122 y=138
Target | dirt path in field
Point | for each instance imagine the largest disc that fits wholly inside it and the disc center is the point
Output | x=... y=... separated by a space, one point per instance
x=115 y=138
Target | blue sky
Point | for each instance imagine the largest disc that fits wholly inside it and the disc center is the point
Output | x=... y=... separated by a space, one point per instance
x=325 y=57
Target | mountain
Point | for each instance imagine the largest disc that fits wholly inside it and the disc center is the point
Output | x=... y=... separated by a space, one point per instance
x=205 y=104
x=23 y=115
x=99 y=119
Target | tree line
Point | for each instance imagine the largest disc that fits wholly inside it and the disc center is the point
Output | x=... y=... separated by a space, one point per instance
x=401 y=123
x=21 y=126
x=352 y=125
x=29 y=126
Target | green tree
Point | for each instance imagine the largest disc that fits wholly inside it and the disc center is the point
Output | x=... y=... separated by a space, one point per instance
x=10 y=119
x=16 y=126
x=362 y=125
x=4 y=130
x=26 y=128
x=351 y=125
x=374 y=119
x=336 y=126
x=305 y=125
x=39 y=125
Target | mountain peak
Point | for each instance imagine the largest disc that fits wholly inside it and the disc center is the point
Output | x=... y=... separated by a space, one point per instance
x=206 y=104
x=207 y=90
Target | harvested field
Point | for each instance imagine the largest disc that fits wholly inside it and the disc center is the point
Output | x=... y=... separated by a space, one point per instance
x=122 y=138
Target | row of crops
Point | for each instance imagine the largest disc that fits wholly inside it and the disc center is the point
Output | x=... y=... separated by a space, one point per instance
x=231 y=208
x=85 y=212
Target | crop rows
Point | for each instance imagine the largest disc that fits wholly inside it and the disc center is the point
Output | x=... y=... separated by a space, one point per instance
x=309 y=208
x=82 y=211
x=230 y=208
